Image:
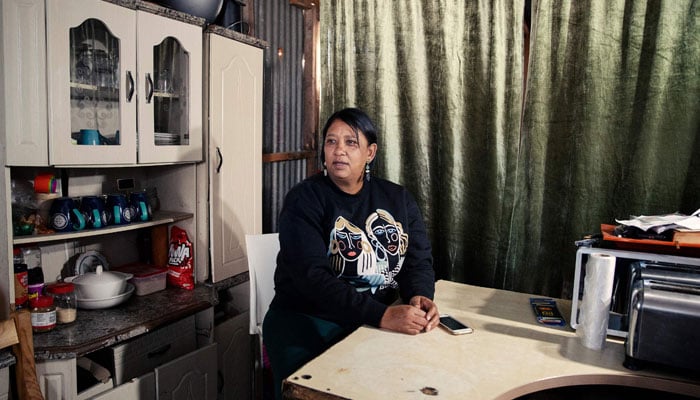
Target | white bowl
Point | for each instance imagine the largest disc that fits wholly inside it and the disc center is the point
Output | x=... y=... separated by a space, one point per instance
x=100 y=285
x=107 y=303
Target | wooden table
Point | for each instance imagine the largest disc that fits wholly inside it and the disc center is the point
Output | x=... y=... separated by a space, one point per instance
x=508 y=355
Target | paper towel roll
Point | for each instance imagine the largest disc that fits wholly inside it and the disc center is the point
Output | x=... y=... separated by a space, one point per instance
x=595 y=305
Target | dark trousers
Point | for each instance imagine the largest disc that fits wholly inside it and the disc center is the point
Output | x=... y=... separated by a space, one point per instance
x=292 y=339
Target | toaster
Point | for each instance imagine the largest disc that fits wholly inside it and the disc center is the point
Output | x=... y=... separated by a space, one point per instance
x=664 y=317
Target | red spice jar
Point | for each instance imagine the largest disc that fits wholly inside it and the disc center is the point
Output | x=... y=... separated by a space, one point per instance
x=43 y=314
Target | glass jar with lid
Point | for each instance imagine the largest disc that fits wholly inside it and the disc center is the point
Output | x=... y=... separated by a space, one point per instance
x=65 y=300
x=43 y=314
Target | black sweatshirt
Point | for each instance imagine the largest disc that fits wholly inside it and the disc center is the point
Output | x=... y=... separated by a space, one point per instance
x=343 y=256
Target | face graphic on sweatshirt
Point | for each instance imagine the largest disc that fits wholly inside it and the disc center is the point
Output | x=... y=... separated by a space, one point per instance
x=368 y=260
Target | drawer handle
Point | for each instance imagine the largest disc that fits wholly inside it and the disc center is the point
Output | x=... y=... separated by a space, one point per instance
x=159 y=351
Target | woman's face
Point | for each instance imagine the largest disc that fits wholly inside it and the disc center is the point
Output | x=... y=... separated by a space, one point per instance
x=345 y=155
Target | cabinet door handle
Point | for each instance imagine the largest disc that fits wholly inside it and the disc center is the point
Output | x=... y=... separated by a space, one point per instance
x=149 y=88
x=221 y=159
x=130 y=81
x=159 y=351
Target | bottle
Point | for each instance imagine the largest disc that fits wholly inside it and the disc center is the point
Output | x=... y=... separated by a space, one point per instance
x=21 y=279
x=32 y=257
x=43 y=314
x=65 y=300
x=36 y=282
x=17 y=256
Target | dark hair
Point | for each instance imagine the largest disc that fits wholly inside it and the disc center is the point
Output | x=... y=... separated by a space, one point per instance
x=356 y=119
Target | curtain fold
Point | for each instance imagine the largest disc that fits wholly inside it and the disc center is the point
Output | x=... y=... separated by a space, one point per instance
x=608 y=126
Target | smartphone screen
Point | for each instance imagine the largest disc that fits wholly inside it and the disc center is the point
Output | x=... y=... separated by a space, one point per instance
x=453 y=326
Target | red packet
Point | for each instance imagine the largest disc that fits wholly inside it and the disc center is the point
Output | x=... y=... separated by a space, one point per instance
x=180 y=260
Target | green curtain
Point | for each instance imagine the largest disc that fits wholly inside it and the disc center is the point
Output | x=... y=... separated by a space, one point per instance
x=510 y=173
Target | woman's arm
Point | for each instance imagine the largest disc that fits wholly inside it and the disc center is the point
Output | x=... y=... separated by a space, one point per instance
x=417 y=276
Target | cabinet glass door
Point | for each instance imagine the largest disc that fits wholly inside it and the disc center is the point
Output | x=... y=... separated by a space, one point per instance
x=169 y=54
x=91 y=71
x=170 y=94
x=94 y=84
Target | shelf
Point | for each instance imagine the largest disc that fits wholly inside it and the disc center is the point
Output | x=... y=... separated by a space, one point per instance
x=160 y=218
x=92 y=87
x=90 y=92
x=157 y=93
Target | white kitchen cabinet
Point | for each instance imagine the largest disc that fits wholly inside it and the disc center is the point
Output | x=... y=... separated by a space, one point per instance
x=23 y=88
x=132 y=75
x=234 y=106
x=170 y=118
x=235 y=357
x=57 y=379
x=192 y=376
x=163 y=364
x=141 y=388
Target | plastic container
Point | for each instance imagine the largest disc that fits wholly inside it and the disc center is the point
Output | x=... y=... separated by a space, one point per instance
x=147 y=278
x=65 y=300
x=43 y=314
x=35 y=290
x=32 y=257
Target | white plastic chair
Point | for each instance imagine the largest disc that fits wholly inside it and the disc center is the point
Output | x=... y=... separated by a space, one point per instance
x=262 y=259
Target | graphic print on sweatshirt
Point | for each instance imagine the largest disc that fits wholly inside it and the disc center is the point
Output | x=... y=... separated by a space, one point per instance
x=368 y=259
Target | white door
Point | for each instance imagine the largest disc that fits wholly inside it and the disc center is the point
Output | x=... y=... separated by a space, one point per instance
x=57 y=379
x=192 y=376
x=234 y=357
x=23 y=54
x=235 y=151
x=170 y=90
x=91 y=57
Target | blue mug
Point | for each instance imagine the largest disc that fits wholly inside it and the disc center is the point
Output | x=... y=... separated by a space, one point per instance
x=119 y=211
x=89 y=136
x=93 y=208
x=140 y=206
x=64 y=216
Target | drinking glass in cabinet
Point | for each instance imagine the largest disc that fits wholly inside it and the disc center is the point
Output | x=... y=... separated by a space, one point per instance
x=170 y=95
x=94 y=81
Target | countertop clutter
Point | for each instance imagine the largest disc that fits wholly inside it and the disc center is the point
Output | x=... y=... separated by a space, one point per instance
x=97 y=329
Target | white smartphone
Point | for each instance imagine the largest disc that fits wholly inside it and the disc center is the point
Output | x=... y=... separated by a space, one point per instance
x=453 y=326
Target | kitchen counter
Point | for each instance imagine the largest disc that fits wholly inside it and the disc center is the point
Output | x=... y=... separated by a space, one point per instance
x=508 y=355
x=96 y=329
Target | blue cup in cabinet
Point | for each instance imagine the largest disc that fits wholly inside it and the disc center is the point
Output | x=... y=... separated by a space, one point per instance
x=93 y=208
x=119 y=211
x=64 y=215
x=89 y=137
x=140 y=205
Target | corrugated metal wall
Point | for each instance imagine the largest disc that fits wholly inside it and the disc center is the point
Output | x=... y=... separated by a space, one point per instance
x=282 y=26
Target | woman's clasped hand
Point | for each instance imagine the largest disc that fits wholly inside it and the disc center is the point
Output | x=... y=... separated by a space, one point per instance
x=420 y=316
